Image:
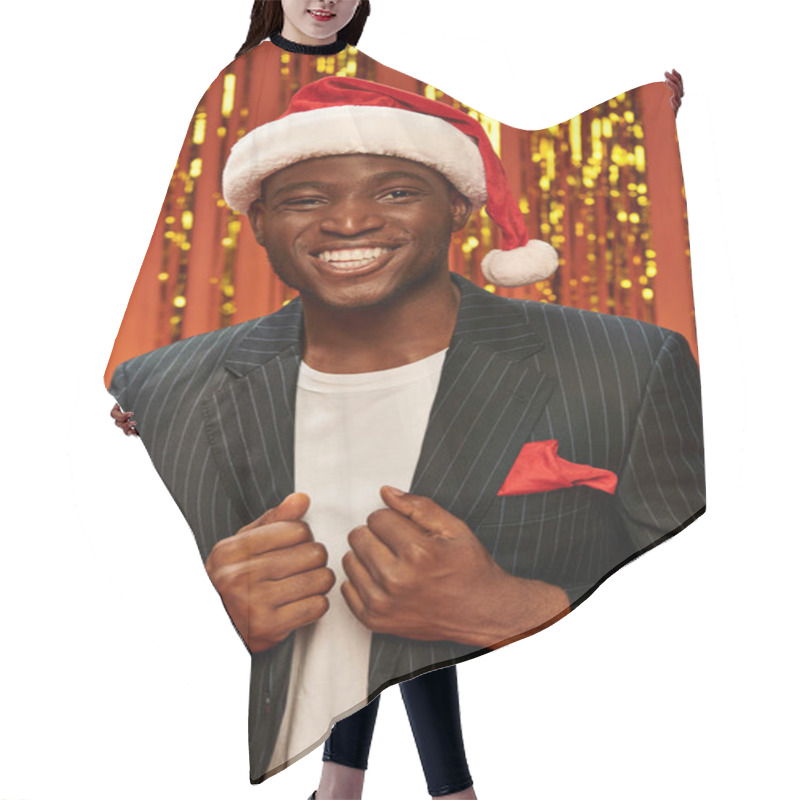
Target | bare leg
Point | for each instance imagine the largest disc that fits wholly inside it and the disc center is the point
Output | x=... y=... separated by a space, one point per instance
x=339 y=782
x=345 y=756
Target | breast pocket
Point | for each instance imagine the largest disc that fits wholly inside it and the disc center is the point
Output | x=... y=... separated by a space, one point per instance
x=558 y=536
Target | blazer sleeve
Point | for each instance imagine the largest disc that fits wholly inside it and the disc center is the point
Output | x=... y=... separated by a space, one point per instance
x=662 y=483
x=118 y=386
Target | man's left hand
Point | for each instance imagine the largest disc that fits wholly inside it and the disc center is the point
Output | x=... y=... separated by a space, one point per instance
x=419 y=572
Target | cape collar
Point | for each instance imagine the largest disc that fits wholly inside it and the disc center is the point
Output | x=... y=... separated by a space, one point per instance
x=308 y=49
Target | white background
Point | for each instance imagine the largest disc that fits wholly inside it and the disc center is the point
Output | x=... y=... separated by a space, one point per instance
x=120 y=675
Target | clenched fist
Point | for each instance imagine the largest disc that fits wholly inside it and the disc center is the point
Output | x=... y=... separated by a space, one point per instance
x=416 y=571
x=272 y=575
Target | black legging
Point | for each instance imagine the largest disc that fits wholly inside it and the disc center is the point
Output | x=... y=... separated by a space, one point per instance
x=432 y=707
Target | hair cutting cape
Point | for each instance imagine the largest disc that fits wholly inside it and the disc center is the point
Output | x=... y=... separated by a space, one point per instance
x=565 y=432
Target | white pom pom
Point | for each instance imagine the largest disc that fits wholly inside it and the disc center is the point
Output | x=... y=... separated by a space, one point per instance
x=535 y=261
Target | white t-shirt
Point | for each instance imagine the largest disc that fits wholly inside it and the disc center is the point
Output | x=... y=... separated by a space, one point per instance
x=353 y=434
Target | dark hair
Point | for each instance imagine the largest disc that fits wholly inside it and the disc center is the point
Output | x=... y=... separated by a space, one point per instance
x=266 y=19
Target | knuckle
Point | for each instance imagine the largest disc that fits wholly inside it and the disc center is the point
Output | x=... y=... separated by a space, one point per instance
x=416 y=554
x=376 y=516
x=328 y=579
x=293 y=528
x=377 y=605
x=228 y=582
x=357 y=535
x=216 y=556
x=319 y=606
x=423 y=505
x=302 y=529
x=318 y=553
x=393 y=583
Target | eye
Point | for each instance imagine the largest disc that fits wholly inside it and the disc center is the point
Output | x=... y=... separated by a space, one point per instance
x=401 y=194
x=301 y=203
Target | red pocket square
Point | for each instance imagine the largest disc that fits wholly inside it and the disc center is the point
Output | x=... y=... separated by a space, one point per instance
x=538 y=468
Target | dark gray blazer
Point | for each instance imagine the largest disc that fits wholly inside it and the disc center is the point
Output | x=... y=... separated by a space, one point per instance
x=216 y=414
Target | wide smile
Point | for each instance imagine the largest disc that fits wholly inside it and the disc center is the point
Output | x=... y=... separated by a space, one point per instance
x=321 y=16
x=353 y=261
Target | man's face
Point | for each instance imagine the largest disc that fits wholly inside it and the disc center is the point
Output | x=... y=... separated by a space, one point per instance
x=356 y=231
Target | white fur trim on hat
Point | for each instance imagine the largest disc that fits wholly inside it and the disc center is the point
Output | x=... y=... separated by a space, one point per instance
x=535 y=261
x=342 y=130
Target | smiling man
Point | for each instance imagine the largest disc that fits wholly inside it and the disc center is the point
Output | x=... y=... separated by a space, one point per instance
x=398 y=469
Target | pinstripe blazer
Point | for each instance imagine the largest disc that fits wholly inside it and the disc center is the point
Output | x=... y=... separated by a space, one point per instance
x=216 y=414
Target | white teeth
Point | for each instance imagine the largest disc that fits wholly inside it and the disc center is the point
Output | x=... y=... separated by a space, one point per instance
x=354 y=258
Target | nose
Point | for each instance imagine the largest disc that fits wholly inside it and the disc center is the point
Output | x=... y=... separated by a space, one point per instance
x=351 y=217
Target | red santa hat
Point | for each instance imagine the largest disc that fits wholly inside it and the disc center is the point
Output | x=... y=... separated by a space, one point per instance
x=340 y=116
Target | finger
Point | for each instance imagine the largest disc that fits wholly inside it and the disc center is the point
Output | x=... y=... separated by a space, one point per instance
x=289 y=561
x=268 y=538
x=273 y=566
x=302 y=612
x=361 y=580
x=423 y=511
x=292 y=507
x=298 y=587
x=128 y=427
x=676 y=88
x=119 y=415
x=396 y=531
x=376 y=554
x=241 y=547
x=354 y=602
x=676 y=80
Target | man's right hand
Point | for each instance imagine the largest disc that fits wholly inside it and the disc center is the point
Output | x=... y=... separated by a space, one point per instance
x=272 y=575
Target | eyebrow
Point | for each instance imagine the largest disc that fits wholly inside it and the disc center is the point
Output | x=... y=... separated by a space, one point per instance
x=395 y=174
x=291 y=187
x=377 y=178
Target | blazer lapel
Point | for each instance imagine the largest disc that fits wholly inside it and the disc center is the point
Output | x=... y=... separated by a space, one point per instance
x=250 y=420
x=488 y=401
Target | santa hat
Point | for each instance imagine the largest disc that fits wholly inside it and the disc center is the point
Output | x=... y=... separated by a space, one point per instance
x=339 y=116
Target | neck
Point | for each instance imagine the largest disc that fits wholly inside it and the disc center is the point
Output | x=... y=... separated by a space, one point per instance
x=308 y=49
x=412 y=327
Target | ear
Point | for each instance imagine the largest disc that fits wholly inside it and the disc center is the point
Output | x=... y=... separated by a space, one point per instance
x=460 y=208
x=256 y=214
